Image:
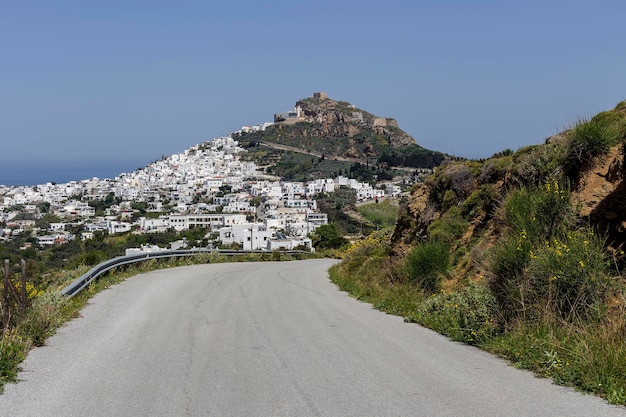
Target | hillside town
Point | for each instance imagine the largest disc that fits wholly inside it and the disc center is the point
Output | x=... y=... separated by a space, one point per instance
x=207 y=186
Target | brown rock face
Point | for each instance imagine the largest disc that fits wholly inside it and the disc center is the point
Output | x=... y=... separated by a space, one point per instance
x=601 y=195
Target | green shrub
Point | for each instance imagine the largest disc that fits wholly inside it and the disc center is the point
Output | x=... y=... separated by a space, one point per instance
x=451 y=183
x=449 y=199
x=550 y=270
x=538 y=211
x=448 y=228
x=328 y=236
x=589 y=139
x=510 y=256
x=467 y=315
x=507 y=262
x=532 y=217
x=12 y=351
x=427 y=264
x=43 y=318
x=483 y=199
x=537 y=164
x=90 y=258
x=495 y=168
x=568 y=275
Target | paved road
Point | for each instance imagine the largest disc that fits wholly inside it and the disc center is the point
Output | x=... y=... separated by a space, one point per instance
x=266 y=339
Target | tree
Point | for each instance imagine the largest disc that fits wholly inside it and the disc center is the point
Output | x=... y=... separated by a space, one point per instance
x=327 y=236
x=44 y=207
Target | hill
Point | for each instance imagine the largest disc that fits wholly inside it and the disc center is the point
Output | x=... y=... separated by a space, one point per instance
x=521 y=253
x=588 y=160
x=337 y=130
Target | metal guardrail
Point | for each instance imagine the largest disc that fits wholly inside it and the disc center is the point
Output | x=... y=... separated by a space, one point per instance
x=87 y=278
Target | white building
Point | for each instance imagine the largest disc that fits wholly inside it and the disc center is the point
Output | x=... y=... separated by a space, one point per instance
x=57 y=226
x=118 y=227
x=154 y=225
x=207 y=221
x=250 y=236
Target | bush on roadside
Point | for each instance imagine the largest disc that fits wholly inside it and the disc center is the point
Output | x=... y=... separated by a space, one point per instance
x=43 y=318
x=539 y=211
x=12 y=351
x=508 y=282
x=568 y=276
x=467 y=315
x=427 y=264
x=539 y=267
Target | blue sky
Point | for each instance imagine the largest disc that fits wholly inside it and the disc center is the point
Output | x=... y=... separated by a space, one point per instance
x=135 y=80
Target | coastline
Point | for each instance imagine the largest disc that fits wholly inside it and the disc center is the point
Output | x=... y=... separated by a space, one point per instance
x=37 y=173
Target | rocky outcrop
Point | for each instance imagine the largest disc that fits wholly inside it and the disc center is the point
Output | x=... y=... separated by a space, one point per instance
x=601 y=195
x=335 y=129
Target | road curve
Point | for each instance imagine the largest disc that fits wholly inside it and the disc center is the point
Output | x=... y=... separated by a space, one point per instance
x=266 y=339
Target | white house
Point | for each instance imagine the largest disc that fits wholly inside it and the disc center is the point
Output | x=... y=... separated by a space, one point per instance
x=250 y=236
x=93 y=227
x=117 y=227
x=153 y=225
x=393 y=190
x=57 y=226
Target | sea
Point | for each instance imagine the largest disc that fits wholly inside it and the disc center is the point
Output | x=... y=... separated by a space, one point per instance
x=60 y=172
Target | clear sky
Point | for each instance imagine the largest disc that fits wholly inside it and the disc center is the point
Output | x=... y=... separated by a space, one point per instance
x=134 y=80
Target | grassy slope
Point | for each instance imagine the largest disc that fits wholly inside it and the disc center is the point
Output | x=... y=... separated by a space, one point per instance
x=521 y=274
x=381 y=214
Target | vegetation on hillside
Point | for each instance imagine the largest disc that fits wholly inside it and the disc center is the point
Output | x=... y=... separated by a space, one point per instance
x=338 y=206
x=411 y=156
x=496 y=253
x=295 y=166
x=380 y=214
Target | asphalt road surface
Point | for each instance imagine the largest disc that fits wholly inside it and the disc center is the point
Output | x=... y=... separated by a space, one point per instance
x=266 y=339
